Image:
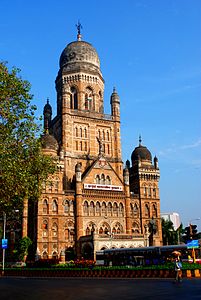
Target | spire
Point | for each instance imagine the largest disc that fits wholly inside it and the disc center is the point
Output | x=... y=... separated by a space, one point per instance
x=140 y=140
x=79 y=27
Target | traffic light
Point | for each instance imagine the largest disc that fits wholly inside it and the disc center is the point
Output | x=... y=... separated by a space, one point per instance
x=193 y=231
x=187 y=233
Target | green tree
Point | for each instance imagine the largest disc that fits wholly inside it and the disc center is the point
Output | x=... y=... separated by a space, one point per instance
x=23 y=248
x=23 y=167
x=169 y=235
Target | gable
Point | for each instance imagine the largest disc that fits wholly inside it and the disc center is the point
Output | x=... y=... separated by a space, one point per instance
x=101 y=176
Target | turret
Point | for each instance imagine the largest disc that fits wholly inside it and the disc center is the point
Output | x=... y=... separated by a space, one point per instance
x=115 y=104
x=155 y=162
x=47 y=113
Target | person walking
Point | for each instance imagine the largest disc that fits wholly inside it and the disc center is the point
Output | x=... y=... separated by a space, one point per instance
x=178 y=269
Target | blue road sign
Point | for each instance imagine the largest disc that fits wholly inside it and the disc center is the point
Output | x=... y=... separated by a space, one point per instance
x=4 y=243
x=193 y=244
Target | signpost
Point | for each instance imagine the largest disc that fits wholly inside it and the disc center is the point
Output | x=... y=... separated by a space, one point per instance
x=192 y=245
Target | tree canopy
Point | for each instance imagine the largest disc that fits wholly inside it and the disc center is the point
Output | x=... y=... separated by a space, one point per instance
x=23 y=167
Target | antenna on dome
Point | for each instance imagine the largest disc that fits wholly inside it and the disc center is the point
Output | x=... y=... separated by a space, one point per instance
x=79 y=27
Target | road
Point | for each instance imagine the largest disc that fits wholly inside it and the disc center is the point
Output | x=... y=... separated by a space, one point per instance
x=97 y=289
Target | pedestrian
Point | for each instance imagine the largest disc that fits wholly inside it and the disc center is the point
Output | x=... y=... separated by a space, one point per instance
x=178 y=269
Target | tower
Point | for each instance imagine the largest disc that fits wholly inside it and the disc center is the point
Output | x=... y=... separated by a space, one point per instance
x=144 y=178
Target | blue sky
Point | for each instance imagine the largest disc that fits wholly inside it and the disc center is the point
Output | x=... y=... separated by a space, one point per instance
x=150 y=50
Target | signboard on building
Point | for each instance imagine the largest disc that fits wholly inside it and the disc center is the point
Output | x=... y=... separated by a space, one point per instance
x=114 y=188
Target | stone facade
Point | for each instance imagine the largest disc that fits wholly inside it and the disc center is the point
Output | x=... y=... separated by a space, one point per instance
x=92 y=202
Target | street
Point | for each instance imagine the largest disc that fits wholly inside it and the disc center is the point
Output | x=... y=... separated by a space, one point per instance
x=97 y=289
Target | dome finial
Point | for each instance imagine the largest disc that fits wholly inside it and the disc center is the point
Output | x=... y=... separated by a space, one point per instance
x=140 y=140
x=48 y=100
x=79 y=27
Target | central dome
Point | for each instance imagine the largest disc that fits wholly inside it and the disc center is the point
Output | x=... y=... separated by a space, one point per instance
x=79 y=53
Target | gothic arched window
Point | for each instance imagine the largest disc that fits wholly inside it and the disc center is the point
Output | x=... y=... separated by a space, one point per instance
x=55 y=206
x=104 y=212
x=109 y=209
x=97 y=179
x=154 y=211
x=73 y=98
x=45 y=207
x=66 y=207
x=135 y=211
x=115 y=210
x=88 y=99
x=92 y=209
x=86 y=209
x=98 y=209
x=146 y=211
x=121 y=210
x=54 y=230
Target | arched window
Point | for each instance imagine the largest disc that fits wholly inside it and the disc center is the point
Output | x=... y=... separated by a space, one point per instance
x=76 y=145
x=121 y=210
x=76 y=132
x=115 y=210
x=92 y=209
x=45 y=224
x=45 y=228
x=66 y=207
x=145 y=191
x=108 y=136
x=154 y=211
x=101 y=230
x=85 y=146
x=154 y=192
x=54 y=230
x=135 y=228
x=109 y=209
x=80 y=132
x=55 y=206
x=97 y=179
x=98 y=209
x=73 y=99
x=146 y=211
x=88 y=99
x=108 y=149
x=136 y=211
x=45 y=207
x=118 y=228
x=103 y=135
x=149 y=191
x=85 y=133
x=86 y=209
x=45 y=255
x=104 y=212
x=102 y=179
x=81 y=146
